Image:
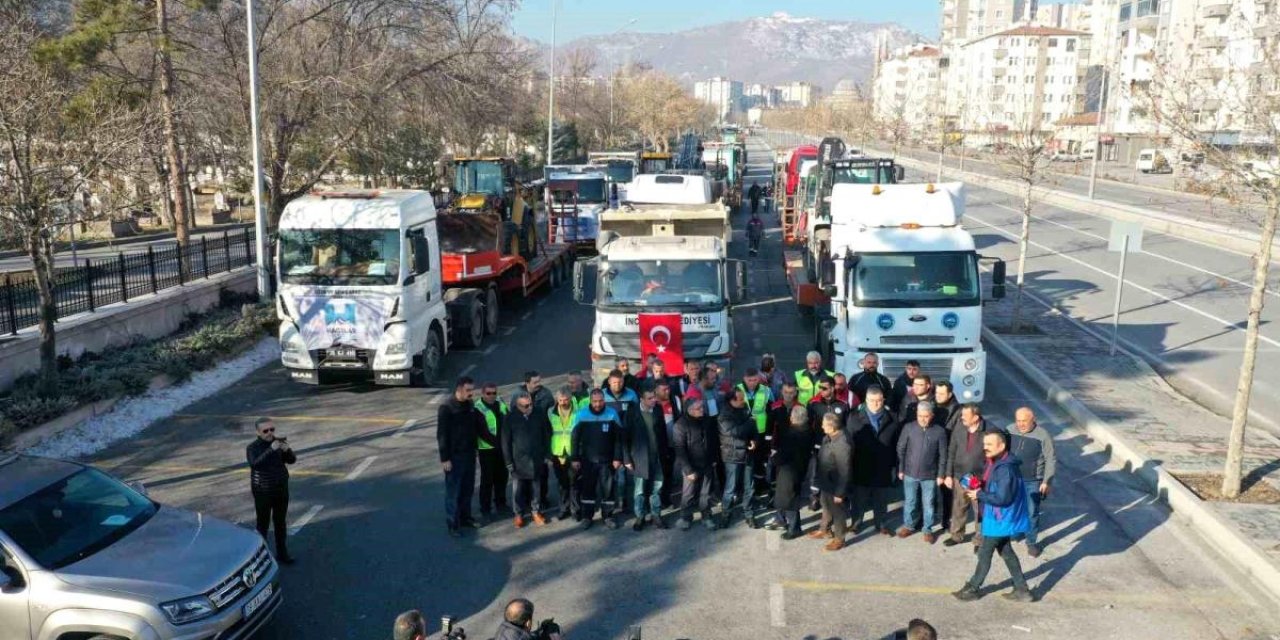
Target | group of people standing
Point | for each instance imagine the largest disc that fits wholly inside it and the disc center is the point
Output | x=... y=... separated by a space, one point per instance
x=840 y=445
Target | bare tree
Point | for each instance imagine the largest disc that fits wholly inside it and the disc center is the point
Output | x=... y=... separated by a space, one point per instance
x=60 y=137
x=1206 y=101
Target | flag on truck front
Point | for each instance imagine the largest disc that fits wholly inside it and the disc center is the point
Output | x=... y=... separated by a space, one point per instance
x=662 y=335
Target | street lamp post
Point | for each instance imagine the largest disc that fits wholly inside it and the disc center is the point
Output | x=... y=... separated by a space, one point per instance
x=613 y=53
x=1097 y=128
x=551 y=86
x=259 y=215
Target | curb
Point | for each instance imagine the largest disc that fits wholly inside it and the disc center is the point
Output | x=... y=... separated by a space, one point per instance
x=1242 y=554
x=1206 y=233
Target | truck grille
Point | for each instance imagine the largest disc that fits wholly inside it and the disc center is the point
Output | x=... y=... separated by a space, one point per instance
x=628 y=344
x=936 y=368
x=236 y=584
x=917 y=339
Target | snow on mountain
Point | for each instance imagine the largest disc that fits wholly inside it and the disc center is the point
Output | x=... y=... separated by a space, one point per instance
x=769 y=50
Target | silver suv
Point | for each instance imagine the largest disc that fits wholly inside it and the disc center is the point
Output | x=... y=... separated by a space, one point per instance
x=84 y=556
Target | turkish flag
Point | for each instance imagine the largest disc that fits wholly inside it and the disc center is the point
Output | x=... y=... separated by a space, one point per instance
x=662 y=335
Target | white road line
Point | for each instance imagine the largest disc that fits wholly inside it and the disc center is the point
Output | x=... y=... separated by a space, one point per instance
x=1229 y=326
x=526 y=316
x=404 y=428
x=305 y=519
x=1180 y=263
x=777 y=606
x=508 y=331
x=488 y=351
x=772 y=542
x=360 y=468
x=466 y=370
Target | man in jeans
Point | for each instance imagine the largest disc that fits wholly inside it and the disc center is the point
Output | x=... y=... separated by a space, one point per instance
x=922 y=461
x=1034 y=447
x=965 y=457
x=1004 y=516
x=644 y=452
x=738 y=443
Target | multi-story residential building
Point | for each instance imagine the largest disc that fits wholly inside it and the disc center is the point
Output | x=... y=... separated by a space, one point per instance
x=1061 y=15
x=1022 y=79
x=798 y=94
x=722 y=93
x=965 y=20
x=905 y=92
x=762 y=95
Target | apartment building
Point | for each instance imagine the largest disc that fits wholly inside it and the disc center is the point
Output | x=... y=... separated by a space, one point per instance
x=798 y=94
x=905 y=93
x=965 y=20
x=722 y=93
x=1022 y=79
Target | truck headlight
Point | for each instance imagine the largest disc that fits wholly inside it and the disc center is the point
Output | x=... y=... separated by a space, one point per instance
x=969 y=381
x=291 y=346
x=970 y=364
x=188 y=609
x=397 y=348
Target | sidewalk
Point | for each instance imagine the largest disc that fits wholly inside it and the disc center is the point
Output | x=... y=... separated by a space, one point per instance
x=1130 y=409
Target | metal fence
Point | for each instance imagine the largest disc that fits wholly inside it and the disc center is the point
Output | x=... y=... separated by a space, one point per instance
x=123 y=277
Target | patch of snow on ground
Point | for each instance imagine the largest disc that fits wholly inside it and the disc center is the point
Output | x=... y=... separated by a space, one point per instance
x=131 y=415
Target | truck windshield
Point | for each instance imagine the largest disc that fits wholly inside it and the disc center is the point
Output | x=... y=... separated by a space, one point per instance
x=621 y=171
x=591 y=191
x=810 y=190
x=941 y=279
x=75 y=518
x=655 y=165
x=479 y=176
x=340 y=256
x=660 y=282
x=861 y=175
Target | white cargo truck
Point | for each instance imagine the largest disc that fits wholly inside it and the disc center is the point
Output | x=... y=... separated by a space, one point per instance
x=360 y=287
x=904 y=283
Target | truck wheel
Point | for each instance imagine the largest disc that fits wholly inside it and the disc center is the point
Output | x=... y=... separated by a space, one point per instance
x=491 y=311
x=473 y=334
x=426 y=366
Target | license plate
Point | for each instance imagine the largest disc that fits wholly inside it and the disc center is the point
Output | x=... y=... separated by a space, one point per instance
x=342 y=353
x=258 y=600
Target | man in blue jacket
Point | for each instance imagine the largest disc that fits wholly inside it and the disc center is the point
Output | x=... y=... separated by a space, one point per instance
x=1004 y=516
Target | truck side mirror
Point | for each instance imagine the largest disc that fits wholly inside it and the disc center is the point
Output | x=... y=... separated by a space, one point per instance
x=998 y=273
x=584 y=281
x=737 y=274
x=997 y=292
x=899 y=174
x=836 y=280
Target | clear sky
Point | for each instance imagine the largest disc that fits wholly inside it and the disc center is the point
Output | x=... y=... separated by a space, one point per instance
x=601 y=17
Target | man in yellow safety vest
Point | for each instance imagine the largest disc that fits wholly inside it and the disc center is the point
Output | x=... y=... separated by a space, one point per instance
x=493 y=470
x=808 y=377
x=563 y=418
x=759 y=397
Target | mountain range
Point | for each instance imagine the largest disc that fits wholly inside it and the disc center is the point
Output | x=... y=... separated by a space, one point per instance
x=769 y=50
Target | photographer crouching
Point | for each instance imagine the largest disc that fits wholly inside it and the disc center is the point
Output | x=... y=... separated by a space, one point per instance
x=518 y=624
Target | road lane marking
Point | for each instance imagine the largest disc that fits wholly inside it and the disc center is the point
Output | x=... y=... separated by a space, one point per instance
x=777 y=606
x=305 y=519
x=1229 y=326
x=408 y=424
x=229 y=416
x=1180 y=263
x=488 y=351
x=528 y=314
x=360 y=468
x=508 y=331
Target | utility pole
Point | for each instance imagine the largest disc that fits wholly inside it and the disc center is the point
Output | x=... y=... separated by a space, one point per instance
x=551 y=87
x=259 y=214
x=1097 y=129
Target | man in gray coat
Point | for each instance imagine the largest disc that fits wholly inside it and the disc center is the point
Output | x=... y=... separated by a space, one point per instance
x=922 y=457
x=526 y=448
x=965 y=458
x=1034 y=447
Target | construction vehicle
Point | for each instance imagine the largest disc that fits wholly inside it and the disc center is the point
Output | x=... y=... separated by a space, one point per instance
x=724 y=161
x=903 y=282
x=492 y=247
x=361 y=288
x=669 y=205
x=655 y=162
x=575 y=200
x=817 y=212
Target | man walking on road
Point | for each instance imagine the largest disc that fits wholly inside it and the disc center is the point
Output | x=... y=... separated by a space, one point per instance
x=875 y=439
x=870 y=376
x=1004 y=516
x=697 y=440
x=835 y=460
x=1034 y=447
x=563 y=418
x=526 y=448
x=755 y=233
x=493 y=470
x=922 y=449
x=965 y=457
x=754 y=194
x=268 y=457
x=739 y=440
x=458 y=428
x=644 y=455
x=597 y=453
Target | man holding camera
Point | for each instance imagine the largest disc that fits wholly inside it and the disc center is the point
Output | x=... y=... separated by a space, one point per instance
x=517 y=624
x=268 y=456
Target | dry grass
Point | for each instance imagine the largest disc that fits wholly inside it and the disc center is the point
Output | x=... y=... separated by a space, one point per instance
x=1209 y=487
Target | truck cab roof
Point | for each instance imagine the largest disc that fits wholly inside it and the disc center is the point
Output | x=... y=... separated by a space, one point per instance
x=669 y=188
x=361 y=209
x=665 y=248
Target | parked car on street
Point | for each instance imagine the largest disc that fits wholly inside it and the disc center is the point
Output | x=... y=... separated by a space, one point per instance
x=85 y=556
x=1154 y=161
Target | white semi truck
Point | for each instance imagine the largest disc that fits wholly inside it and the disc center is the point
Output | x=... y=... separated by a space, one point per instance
x=662 y=259
x=360 y=287
x=904 y=283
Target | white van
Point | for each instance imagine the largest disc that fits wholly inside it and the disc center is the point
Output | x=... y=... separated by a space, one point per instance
x=1154 y=161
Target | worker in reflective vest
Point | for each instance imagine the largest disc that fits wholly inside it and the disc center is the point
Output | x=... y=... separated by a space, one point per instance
x=759 y=396
x=493 y=470
x=807 y=378
x=564 y=417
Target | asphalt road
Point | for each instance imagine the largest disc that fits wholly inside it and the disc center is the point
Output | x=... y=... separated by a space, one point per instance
x=368 y=524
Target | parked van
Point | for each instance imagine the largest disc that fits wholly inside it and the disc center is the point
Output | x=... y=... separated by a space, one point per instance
x=1154 y=161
